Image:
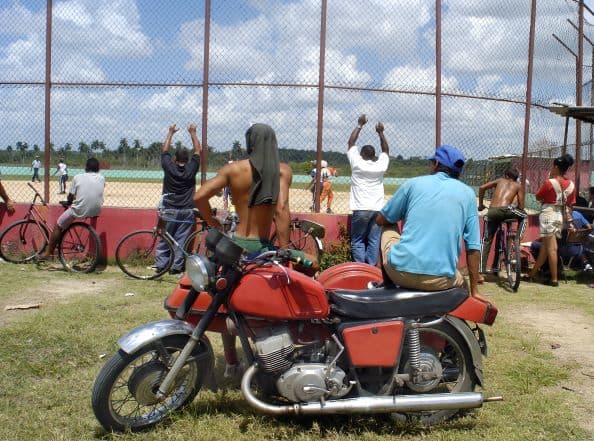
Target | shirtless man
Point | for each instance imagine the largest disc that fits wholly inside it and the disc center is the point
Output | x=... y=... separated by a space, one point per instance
x=260 y=192
x=507 y=189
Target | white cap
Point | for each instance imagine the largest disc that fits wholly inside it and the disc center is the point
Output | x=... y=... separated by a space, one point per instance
x=324 y=163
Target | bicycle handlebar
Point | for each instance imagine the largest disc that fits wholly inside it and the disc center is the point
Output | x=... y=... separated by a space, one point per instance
x=36 y=192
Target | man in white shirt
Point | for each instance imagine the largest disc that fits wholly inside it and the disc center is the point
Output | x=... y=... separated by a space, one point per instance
x=367 y=193
x=35 y=166
x=62 y=171
x=85 y=198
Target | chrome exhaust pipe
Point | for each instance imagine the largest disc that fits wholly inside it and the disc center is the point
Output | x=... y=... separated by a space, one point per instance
x=378 y=404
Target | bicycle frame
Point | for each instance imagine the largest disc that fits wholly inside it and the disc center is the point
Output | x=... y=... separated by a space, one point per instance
x=33 y=213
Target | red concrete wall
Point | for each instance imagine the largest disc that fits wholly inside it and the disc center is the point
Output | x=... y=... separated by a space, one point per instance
x=114 y=223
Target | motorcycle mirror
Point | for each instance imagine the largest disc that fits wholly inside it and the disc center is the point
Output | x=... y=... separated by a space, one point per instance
x=313 y=229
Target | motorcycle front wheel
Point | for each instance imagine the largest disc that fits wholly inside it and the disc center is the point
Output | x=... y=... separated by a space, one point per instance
x=124 y=396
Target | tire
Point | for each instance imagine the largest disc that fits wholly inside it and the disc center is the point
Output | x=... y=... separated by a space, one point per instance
x=123 y=396
x=444 y=343
x=194 y=244
x=135 y=254
x=79 y=248
x=22 y=241
x=299 y=241
x=513 y=262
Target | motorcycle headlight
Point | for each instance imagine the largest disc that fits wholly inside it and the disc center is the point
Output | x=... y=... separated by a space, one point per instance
x=201 y=271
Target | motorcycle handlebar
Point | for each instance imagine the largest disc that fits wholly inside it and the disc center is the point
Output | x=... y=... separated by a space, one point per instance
x=283 y=254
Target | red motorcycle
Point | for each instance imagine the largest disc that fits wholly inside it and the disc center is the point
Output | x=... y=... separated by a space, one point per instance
x=312 y=347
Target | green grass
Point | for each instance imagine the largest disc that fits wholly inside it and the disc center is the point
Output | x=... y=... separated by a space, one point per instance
x=49 y=358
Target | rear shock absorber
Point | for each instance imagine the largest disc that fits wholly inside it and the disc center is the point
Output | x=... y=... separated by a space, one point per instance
x=414 y=350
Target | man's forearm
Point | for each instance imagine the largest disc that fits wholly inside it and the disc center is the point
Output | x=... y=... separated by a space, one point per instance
x=354 y=136
x=3 y=194
x=195 y=143
x=282 y=222
x=473 y=258
x=384 y=143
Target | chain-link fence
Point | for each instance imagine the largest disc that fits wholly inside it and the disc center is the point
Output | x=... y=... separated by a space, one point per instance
x=122 y=71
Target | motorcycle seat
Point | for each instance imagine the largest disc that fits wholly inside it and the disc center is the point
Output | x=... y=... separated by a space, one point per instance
x=395 y=302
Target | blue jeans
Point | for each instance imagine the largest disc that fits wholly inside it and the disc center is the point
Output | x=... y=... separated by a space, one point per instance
x=365 y=236
x=179 y=228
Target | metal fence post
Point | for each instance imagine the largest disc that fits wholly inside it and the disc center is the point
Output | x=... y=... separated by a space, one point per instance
x=320 y=106
x=206 y=61
x=437 y=73
x=528 y=91
x=47 y=110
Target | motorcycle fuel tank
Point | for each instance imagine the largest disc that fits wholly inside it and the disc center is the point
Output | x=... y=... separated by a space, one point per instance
x=280 y=293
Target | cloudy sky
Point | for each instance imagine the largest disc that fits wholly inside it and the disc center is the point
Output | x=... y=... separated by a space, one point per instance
x=380 y=44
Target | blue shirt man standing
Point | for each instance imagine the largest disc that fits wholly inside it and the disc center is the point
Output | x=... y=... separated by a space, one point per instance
x=439 y=212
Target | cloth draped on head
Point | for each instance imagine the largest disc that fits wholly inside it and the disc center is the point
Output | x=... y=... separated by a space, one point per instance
x=262 y=150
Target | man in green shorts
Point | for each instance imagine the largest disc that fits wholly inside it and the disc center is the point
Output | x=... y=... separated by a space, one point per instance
x=260 y=192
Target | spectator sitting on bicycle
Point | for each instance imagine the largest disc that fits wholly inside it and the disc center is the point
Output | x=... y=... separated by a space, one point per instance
x=260 y=192
x=506 y=190
x=179 y=183
x=426 y=255
x=85 y=198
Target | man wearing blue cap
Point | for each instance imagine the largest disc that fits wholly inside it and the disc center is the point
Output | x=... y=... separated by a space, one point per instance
x=439 y=212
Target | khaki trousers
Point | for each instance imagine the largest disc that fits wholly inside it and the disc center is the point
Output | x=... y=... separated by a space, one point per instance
x=423 y=282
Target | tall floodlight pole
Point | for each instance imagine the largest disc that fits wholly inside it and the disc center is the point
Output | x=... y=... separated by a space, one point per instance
x=528 y=91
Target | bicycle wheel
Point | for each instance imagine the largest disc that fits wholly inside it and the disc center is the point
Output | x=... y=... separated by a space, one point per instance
x=22 y=241
x=194 y=244
x=513 y=261
x=135 y=254
x=79 y=248
x=299 y=241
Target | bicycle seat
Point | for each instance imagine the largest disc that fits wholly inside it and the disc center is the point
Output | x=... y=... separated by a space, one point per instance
x=65 y=204
x=395 y=302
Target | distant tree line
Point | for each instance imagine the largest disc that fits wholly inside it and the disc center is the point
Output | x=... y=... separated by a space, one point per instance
x=135 y=155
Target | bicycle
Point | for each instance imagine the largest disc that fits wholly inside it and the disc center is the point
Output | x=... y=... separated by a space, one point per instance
x=507 y=247
x=24 y=240
x=135 y=252
x=304 y=236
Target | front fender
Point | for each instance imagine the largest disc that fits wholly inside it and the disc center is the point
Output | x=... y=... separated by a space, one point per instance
x=151 y=332
x=470 y=339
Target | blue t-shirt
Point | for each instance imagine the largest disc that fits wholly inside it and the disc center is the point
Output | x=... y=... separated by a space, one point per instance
x=579 y=221
x=438 y=212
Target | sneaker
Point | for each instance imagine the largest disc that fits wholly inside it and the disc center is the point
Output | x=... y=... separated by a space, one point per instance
x=234 y=371
x=588 y=267
x=176 y=271
x=329 y=211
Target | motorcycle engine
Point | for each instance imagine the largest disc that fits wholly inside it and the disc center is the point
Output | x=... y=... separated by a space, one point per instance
x=303 y=374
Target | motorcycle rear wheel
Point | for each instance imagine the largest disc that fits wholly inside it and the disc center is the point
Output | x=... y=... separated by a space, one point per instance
x=445 y=343
x=124 y=394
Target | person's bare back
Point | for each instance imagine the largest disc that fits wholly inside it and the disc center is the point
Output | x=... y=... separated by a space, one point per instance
x=255 y=221
x=506 y=190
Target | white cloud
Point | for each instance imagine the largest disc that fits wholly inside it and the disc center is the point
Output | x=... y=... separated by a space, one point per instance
x=370 y=44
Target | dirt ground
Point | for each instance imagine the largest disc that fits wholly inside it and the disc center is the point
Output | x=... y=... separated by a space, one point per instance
x=146 y=195
x=569 y=335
